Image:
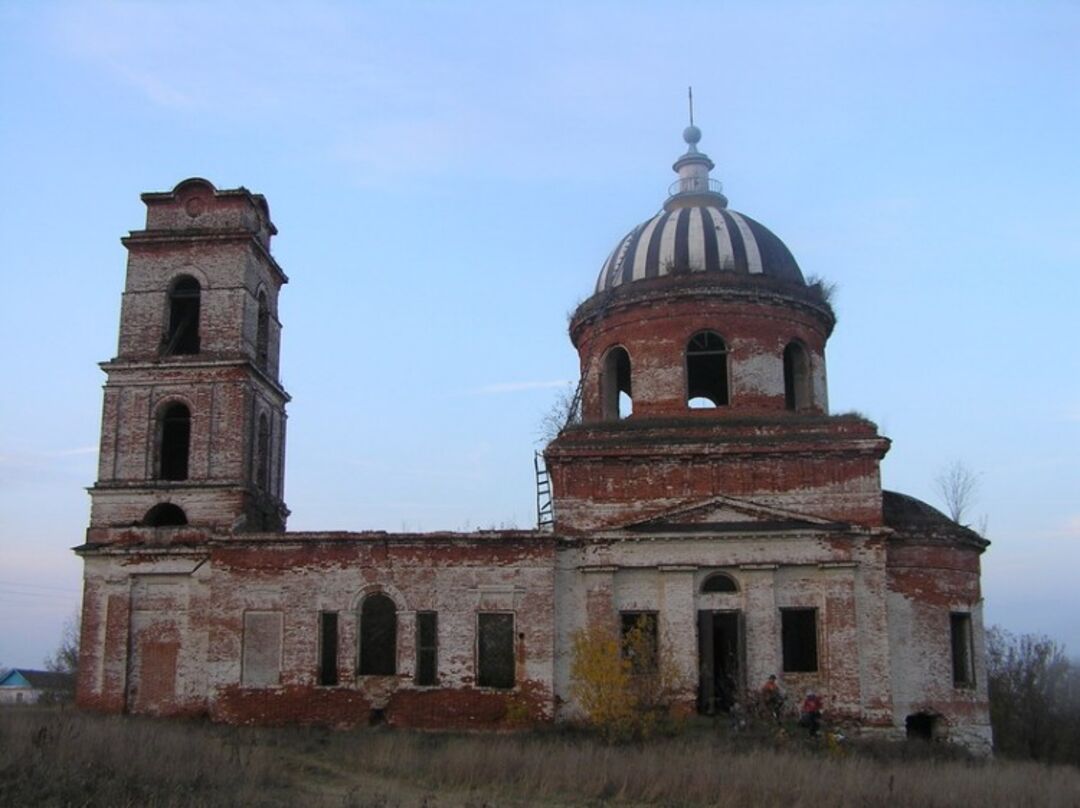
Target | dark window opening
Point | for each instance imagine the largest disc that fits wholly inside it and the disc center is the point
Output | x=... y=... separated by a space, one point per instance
x=262 y=454
x=183 y=334
x=615 y=392
x=495 y=650
x=639 y=640
x=328 y=648
x=719 y=582
x=796 y=377
x=923 y=726
x=963 y=668
x=427 y=645
x=706 y=371
x=720 y=660
x=262 y=333
x=175 y=443
x=798 y=632
x=165 y=514
x=378 y=636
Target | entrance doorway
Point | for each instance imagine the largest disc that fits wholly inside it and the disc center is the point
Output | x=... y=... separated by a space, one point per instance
x=719 y=660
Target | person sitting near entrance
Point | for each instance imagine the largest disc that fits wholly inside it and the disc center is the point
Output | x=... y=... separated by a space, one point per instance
x=810 y=715
x=773 y=697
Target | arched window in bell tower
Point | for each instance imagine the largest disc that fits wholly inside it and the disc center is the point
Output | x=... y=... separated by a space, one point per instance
x=616 y=396
x=182 y=336
x=262 y=333
x=796 y=377
x=174 y=442
x=706 y=371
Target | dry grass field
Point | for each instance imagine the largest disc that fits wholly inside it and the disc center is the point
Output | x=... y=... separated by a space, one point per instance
x=65 y=758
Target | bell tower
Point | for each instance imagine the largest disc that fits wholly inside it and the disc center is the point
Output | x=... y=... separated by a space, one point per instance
x=193 y=424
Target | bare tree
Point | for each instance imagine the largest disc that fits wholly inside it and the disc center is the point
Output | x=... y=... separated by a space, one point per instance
x=958 y=486
x=1034 y=697
x=66 y=657
x=565 y=410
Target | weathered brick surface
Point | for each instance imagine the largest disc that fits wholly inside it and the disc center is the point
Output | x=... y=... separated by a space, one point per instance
x=222 y=616
x=611 y=474
x=187 y=629
x=927 y=582
x=655 y=331
x=222 y=239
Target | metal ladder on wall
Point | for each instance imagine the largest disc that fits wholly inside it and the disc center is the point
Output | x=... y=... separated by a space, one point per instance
x=545 y=502
x=545 y=505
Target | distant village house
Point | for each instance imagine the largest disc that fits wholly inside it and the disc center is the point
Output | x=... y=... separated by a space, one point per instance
x=22 y=686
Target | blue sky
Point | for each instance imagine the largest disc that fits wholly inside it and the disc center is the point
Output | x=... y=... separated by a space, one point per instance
x=448 y=178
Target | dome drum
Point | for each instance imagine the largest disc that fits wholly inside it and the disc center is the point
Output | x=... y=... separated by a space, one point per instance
x=701 y=311
x=703 y=358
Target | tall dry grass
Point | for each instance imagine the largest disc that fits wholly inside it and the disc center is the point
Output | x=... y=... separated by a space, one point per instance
x=68 y=758
x=701 y=771
x=62 y=757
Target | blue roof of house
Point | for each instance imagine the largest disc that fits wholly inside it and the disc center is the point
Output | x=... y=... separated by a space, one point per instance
x=14 y=679
x=41 y=680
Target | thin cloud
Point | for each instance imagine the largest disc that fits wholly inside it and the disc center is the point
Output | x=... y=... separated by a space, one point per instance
x=80 y=450
x=1067 y=529
x=1071 y=528
x=500 y=388
x=153 y=87
x=35 y=459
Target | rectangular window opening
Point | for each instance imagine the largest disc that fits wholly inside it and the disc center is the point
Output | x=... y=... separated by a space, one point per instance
x=328 y=649
x=639 y=640
x=798 y=632
x=963 y=656
x=427 y=648
x=495 y=650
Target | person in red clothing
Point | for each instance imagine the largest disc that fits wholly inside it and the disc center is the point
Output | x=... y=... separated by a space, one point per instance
x=811 y=714
x=773 y=698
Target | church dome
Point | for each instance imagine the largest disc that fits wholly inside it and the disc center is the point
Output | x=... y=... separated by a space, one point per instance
x=697 y=235
x=701 y=238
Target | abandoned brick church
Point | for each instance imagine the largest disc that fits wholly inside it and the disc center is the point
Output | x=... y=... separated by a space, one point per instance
x=705 y=493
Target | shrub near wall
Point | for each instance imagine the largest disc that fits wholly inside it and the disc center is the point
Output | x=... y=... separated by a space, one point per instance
x=626 y=686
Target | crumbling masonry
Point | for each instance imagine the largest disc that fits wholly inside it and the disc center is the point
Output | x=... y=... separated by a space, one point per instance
x=705 y=486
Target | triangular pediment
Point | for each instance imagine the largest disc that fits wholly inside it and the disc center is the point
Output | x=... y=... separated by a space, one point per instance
x=728 y=514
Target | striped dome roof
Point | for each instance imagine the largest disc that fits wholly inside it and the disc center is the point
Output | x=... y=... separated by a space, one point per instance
x=698 y=238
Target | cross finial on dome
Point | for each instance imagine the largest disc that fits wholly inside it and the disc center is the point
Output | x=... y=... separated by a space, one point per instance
x=691 y=134
x=693 y=169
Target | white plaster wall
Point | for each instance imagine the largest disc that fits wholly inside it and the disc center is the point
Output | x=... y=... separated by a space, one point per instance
x=755 y=371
